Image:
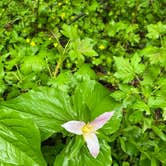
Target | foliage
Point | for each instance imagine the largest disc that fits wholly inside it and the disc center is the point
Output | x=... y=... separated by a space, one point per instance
x=49 y=108
x=64 y=60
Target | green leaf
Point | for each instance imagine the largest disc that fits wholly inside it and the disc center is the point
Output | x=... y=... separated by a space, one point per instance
x=161 y=155
x=127 y=68
x=2 y=86
x=118 y=95
x=125 y=163
x=19 y=141
x=47 y=107
x=164 y=113
x=2 y=73
x=150 y=76
x=154 y=162
x=147 y=124
x=137 y=66
x=156 y=101
x=81 y=49
x=95 y=96
x=127 y=146
x=63 y=81
x=156 y=30
x=126 y=94
x=86 y=71
x=92 y=99
x=136 y=117
x=124 y=69
x=142 y=106
x=86 y=47
x=32 y=63
x=76 y=145
x=122 y=143
x=156 y=55
x=83 y=156
x=159 y=133
x=70 y=32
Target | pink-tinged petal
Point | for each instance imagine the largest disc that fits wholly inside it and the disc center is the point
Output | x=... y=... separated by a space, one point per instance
x=74 y=126
x=101 y=120
x=92 y=144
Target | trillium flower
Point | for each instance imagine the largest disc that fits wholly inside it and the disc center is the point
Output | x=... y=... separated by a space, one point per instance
x=89 y=130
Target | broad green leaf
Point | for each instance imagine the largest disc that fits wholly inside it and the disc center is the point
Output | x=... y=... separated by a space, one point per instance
x=90 y=94
x=147 y=124
x=47 y=107
x=81 y=49
x=124 y=69
x=136 y=64
x=128 y=68
x=95 y=96
x=70 y=32
x=156 y=55
x=86 y=71
x=70 y=152
x=86 y=47
x=77 y=143
x=92 y=99
x=83 y=157
x=156 y=30
x=104 y=157
x=19 y=141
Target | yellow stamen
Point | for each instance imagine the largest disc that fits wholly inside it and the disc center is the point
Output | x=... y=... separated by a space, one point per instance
x=87 y=129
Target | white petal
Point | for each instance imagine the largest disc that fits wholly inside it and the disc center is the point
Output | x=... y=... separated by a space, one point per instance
x=74 y=126
x=92 y=144
x=101 y=120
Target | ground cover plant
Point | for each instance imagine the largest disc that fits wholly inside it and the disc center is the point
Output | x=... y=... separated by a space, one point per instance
x=65 y=61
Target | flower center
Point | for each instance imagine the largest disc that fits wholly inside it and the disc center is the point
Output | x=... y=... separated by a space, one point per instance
x=86 y=129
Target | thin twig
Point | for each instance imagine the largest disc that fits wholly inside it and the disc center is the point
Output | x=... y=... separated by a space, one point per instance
x=79 y=16
x=62 y=52
x=60 y=48
x=60 y=61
